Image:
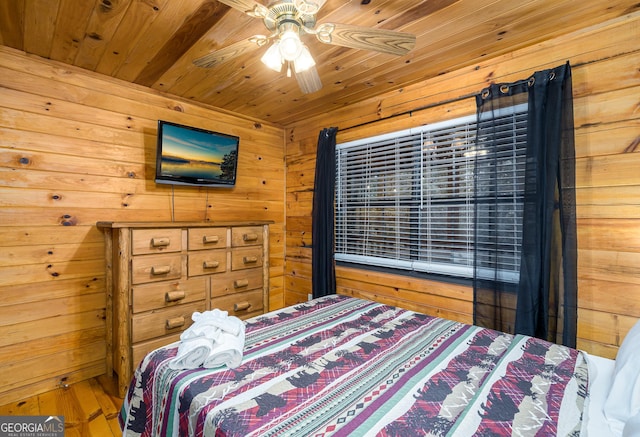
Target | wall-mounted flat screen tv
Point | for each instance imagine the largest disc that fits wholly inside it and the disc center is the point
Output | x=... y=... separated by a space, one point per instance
x=192 y=156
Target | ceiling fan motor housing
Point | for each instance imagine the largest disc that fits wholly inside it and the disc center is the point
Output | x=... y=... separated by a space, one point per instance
x=285 y=11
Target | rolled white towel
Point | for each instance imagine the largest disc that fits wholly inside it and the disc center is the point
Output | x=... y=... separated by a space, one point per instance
x=192 y=353
x=227 y=350
x=205 y=324
x=201 y=330
x=211 y=314
x=218 y=319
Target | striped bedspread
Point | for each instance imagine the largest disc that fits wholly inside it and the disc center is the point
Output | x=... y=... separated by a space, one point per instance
x=339 y=366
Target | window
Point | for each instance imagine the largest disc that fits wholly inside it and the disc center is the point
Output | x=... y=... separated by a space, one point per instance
x=406 y=200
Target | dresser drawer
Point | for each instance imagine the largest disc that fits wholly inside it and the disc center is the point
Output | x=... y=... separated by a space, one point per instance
x=240 y=304
x=205 y=262
x=207 y=238
x=152 y=268
x=146 y=241
x=163 y=322
x=246 y=236
x=246 y=258
x=158 y=295
x=235 y=282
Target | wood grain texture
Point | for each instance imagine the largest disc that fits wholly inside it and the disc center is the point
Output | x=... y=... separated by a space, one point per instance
x=77 y=148
x=190 y=31
x=12 y=24
x=101 y=26
x=90 y=407
x=154 y=42
x=135 y=25
x=39 y=25
x=360 y=37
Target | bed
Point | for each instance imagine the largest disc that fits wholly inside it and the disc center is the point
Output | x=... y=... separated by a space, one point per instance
x=339 y=365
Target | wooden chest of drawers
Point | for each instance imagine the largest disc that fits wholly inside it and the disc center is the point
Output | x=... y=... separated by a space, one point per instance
x=158 y=274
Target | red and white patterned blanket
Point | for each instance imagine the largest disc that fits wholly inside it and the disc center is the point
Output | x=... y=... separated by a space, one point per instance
x=339 y=366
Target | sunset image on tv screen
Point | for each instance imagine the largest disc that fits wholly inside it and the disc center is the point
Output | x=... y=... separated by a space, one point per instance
x=197 y=154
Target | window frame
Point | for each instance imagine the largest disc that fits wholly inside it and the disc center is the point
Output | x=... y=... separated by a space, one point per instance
x=418 y=265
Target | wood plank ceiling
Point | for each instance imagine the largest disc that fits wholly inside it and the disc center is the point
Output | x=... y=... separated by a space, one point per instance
x=153 y=43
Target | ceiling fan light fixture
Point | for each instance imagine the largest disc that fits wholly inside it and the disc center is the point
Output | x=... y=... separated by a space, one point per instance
x=272 y=58
x=304 y=61
x=309 y=7
x=290 y=44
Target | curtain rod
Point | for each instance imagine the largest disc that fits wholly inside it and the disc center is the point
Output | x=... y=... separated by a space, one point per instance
x=410 y=111
x=422 y=108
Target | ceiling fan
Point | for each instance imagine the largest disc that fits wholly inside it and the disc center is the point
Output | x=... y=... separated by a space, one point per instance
x=287 y=20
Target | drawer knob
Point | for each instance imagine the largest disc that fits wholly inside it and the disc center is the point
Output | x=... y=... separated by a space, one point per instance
x=250 y=259
x=239 y=283
x=160 y=242
x=160 y=270
x=210 y=264
x=250 y=237
x=172 y=296
x=175 y=322
x=210 y=239
x=241 y=306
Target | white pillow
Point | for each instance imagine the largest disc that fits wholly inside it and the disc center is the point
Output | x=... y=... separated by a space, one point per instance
x=623 y=401
x=632 y=427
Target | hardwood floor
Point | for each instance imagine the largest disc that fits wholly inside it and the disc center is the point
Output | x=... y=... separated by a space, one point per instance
x=90 y=408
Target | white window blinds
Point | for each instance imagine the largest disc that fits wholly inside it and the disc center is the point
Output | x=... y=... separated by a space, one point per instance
x=406 y=200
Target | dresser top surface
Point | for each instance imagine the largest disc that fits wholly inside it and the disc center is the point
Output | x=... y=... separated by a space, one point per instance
x=156 y=225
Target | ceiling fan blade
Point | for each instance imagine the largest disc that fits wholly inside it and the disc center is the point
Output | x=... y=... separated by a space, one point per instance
x=230 y=52
x=309 y=80
x=249 y=7
x=358 y=37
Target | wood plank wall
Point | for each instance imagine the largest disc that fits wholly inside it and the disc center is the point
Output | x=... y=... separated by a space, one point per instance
x=606 y=87
x=76 y=148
